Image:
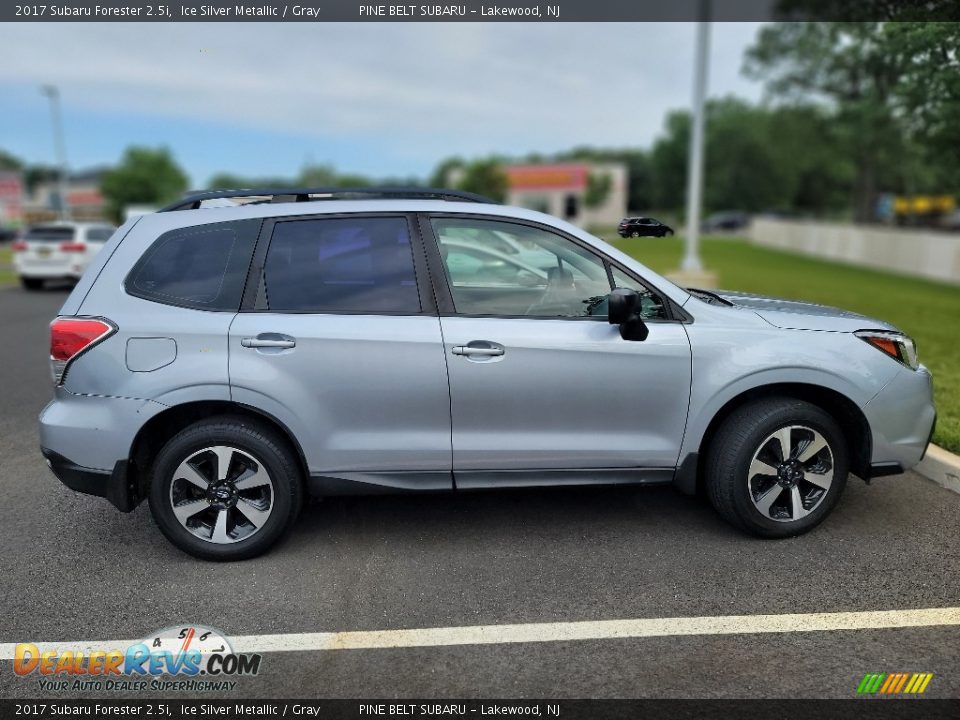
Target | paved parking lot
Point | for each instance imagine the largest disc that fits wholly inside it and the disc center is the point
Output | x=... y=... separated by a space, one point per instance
x=73 y=568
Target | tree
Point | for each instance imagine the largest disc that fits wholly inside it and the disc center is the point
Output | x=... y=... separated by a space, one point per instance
x=9 y=162
x=230 y=181
x=440 y=177
x=598 y=189
x=668 y=162
x=891 y=86
x=757 y=158
x=485 y=177
x=847 y=65
x=147 y=176
x=928 y=93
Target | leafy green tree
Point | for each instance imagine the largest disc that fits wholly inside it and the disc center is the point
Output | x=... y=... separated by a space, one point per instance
x=231 y=181
x=9 y=162
x=928 y=94
x=440 y=177
x=598 y=189
x=317 y=176
x=850 y=66
x=668 y=162
x=147 y=176
x=485 y=177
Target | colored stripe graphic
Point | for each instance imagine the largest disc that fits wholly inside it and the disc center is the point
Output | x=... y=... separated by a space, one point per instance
x=894 y=683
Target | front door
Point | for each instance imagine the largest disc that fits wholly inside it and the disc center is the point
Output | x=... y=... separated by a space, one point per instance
x=542 y=388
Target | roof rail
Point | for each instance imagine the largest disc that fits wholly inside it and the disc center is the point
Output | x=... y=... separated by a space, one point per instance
x=193 y=200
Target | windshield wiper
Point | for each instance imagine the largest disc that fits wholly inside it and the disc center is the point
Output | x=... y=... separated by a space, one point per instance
x=709 y=297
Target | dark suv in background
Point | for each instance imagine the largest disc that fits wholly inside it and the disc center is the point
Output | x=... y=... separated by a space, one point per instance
x=643 y=227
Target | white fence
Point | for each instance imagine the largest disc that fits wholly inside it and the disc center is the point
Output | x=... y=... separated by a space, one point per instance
x=921 y=253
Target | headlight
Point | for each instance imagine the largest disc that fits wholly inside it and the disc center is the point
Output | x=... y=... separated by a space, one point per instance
x=897 y=345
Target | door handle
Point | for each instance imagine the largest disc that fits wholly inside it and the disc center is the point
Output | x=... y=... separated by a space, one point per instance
x=268 y=340
x=488 y=351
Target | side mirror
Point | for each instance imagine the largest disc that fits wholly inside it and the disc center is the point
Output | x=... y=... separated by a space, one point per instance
x=624 y=310
x=621 y=305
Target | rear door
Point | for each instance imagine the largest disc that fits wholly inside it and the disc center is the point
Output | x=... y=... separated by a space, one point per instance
x=341 y=343
x=542 y=388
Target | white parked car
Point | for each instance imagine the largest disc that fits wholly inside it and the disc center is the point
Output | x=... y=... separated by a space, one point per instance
x=57 y=251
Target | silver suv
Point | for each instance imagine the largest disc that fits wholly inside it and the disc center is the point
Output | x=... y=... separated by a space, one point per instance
x=238 y=350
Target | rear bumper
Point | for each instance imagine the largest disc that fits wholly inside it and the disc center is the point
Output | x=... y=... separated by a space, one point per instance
x=87 y=440
x=48 y=274
x=115 y=486
x=91 y=430
x=49 y=270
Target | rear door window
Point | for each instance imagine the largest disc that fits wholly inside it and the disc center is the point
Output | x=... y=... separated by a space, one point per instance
x=203 y=267
x=341 y=265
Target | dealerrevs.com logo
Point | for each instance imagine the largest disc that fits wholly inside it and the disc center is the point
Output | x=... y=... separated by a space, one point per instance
x=193 y=658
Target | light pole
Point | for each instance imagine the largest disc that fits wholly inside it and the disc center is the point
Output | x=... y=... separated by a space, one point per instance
x=59 y=147
x=691 y=258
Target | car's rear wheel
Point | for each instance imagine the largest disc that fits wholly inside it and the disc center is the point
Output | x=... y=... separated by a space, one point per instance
x=32 y=283
x=635 y=233
x=227 y=488
x=777 y=467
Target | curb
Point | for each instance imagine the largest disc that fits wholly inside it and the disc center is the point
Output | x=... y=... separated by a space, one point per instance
x=941 y=466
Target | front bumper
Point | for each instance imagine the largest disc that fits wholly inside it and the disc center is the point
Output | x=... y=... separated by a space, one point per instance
x=902 y=417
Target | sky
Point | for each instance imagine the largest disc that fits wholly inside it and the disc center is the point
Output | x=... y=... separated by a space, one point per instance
x=377 y=99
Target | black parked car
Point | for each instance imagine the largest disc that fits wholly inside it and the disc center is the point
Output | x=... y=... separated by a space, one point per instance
x=643 y=227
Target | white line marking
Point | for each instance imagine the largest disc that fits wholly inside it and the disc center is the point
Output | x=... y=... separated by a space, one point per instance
x=554 y=632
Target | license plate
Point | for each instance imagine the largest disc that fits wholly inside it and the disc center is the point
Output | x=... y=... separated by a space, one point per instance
x=43 y=251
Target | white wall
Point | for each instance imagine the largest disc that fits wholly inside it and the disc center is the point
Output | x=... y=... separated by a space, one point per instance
x=921 y=253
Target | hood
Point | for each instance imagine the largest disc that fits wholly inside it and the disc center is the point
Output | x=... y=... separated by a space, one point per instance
x=798 y=315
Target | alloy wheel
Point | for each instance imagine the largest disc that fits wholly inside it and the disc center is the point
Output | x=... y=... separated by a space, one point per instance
x=222 y=494
x=790 y=473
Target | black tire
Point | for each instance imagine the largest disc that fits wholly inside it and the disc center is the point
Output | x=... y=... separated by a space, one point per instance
x=32 y=283
x=635 y=233
x=745 y=433
x=270 y=451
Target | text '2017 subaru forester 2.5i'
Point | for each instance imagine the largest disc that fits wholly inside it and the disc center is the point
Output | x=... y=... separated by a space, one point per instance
x=226 y=361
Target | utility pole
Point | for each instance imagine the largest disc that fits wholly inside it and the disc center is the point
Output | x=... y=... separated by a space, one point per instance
x=691 y=258
x=59 y=147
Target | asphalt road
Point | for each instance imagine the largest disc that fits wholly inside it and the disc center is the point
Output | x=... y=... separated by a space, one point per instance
x=72 y=568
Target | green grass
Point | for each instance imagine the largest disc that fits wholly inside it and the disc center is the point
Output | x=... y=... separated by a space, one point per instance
x=7 y=276
x=927 y=311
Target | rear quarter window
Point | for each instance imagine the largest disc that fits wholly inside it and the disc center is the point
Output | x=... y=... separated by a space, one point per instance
x=203 y=267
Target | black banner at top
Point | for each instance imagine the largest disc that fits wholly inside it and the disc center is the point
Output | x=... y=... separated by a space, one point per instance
x=476 y=10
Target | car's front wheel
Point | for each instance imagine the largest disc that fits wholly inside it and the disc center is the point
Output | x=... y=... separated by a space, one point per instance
x=777 y=467
x=635 y=233
x=227 y=488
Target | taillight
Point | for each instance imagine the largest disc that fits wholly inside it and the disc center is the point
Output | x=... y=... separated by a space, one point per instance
x=70 y=337
x=73 y=247
x=19 y=246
